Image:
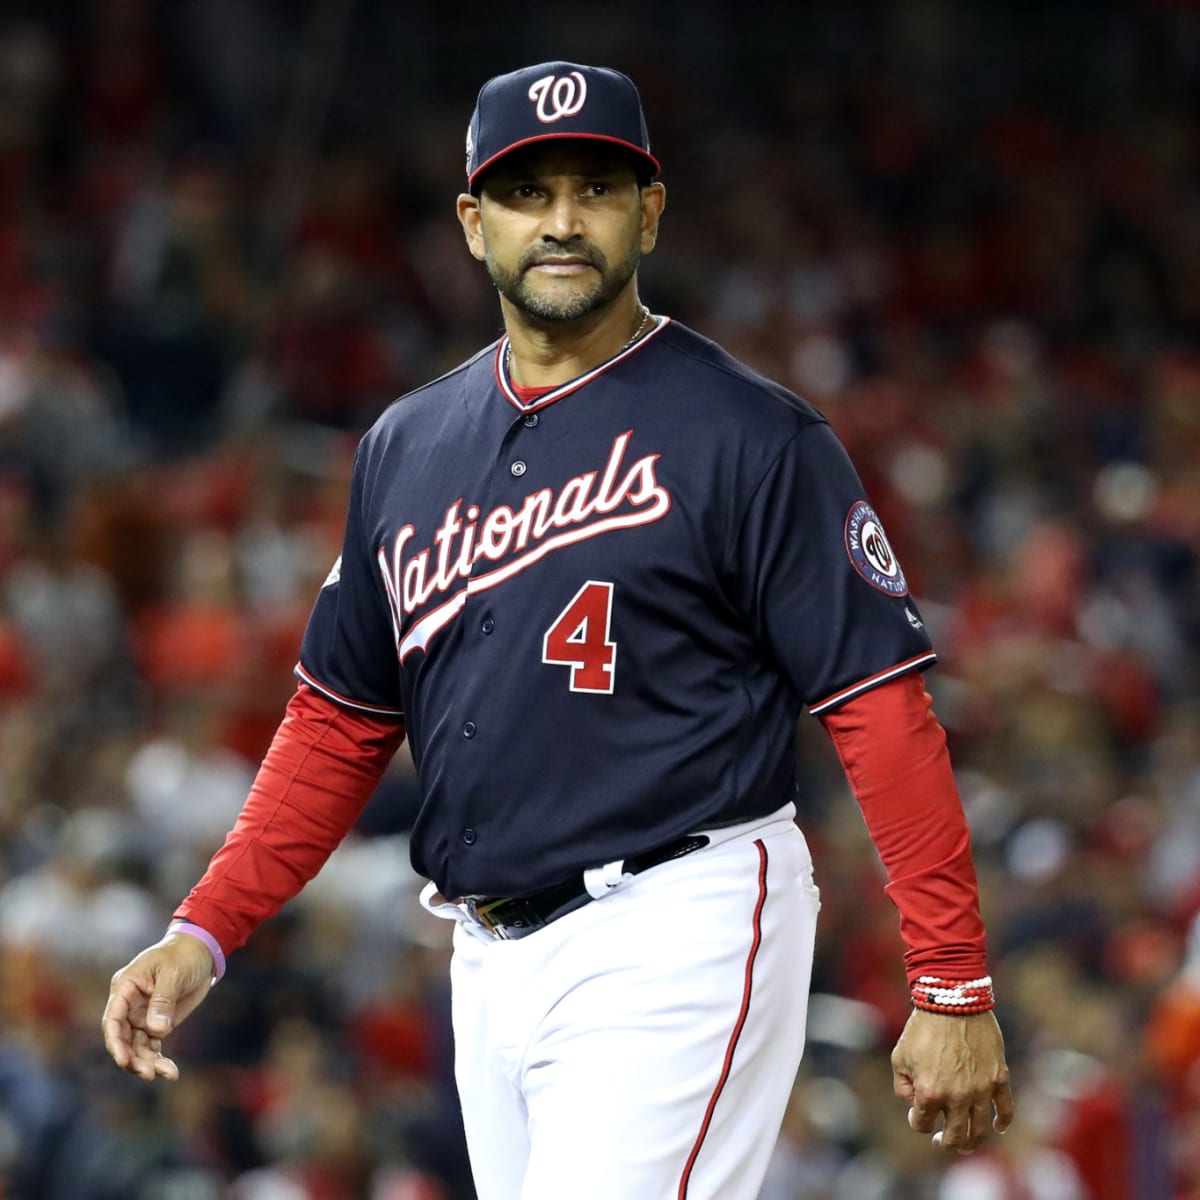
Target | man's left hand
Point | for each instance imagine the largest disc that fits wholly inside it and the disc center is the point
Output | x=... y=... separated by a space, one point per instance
x=953 y=1067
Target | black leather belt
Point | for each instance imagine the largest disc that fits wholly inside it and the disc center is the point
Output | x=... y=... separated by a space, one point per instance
x=511 y=917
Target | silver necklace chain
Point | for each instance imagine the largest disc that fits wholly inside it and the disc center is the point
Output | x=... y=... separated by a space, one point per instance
x=637 y=333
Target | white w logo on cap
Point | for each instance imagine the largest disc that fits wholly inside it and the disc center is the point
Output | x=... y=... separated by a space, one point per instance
x=563 y=95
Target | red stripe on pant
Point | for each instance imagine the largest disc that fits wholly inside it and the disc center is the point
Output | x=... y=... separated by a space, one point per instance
x=747 y=988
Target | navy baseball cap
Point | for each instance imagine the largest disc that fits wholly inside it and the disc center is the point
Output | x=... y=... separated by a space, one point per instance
x=555 y=100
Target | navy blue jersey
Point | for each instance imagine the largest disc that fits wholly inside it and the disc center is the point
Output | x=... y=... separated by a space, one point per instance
x=600 y=614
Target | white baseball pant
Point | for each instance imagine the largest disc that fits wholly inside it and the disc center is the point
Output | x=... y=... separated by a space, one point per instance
x=644 y=1046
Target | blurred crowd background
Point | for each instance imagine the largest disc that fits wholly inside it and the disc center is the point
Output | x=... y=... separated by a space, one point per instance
x=968 y=231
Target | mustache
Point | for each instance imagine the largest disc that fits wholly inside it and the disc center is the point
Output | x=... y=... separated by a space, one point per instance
x=548 y=252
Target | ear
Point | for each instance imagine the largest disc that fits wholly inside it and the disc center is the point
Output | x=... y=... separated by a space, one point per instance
x=654 y=200
x=471 y=220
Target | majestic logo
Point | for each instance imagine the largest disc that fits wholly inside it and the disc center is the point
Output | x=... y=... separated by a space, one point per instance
x=618 y=496
x=558 y=96
x=871 y=552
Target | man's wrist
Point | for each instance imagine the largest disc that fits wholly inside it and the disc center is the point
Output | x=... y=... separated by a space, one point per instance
x=202 y=935
x=954 y=997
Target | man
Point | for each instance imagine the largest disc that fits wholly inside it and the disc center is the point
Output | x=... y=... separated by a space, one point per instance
x=595 y=573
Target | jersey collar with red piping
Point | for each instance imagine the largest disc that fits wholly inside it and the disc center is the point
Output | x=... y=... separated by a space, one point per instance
x=572 y=385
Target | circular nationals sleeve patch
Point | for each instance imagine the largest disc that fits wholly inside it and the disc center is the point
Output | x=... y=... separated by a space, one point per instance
x=871 y=552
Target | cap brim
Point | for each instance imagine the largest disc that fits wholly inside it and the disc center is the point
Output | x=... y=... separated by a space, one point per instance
x=574 y=137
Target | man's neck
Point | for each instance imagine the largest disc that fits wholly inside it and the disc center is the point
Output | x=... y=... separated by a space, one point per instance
x=547 y=354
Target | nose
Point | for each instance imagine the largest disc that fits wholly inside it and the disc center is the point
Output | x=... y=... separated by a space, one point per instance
x=564 y=217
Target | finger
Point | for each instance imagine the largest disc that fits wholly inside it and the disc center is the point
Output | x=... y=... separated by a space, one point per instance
x=902 y=1085
x=158 y=1068
x=124 y=1010
x=150 y=1064
x=1003 y=1100
x=143 y=1057
x=981 y=1113
x=114 y=1025
x=150 y=1061
x=166 y=1068
x=116 y=1042
x=117 y=1036
x=160 y=1012
x=956 y=1136
x=923 y=1115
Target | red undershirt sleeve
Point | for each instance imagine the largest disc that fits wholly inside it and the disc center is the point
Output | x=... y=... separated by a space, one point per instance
x=894 y=754
x=323 y=766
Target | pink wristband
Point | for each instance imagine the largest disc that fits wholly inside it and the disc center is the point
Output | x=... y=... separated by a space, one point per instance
x=214 y=947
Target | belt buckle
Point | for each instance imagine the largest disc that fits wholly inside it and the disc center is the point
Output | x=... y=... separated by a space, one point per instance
x=481 y=914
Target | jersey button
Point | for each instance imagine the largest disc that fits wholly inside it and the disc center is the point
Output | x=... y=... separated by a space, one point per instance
x=530 y=421
x=487 y=626
x=518 y=468
x=469 y=729
x=469 y=835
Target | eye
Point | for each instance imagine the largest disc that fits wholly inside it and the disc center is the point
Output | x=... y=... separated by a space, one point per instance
x=526 y=191
x=598 y=188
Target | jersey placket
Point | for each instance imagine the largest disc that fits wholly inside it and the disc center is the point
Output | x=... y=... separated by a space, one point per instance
x=477 y=628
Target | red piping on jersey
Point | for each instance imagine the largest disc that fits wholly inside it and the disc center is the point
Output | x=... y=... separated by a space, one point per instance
x=909 y=664
x=739 y=1025
x=527 y=395
x=572 y=385
x=327 y=691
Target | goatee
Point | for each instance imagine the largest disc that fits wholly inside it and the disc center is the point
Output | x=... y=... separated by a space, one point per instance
x=610 y=282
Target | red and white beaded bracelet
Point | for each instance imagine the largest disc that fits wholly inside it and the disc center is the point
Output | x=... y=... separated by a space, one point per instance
x=958 y=996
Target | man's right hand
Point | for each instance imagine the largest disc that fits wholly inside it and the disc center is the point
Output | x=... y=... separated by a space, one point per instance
x=149 y=997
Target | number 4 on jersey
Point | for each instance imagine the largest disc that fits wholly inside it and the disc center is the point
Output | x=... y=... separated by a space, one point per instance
x=578 y=639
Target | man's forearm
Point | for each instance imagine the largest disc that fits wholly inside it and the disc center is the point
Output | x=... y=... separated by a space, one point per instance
x=323 y=766
x=894 y=753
